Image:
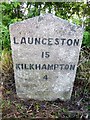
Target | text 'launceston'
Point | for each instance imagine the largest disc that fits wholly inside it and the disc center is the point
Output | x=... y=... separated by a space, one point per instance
x=46 y=41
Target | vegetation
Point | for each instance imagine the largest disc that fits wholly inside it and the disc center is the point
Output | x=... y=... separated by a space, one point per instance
x=12 y=12
x=76 y=12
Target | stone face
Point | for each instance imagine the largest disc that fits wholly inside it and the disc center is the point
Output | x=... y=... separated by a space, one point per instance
x=45 y=52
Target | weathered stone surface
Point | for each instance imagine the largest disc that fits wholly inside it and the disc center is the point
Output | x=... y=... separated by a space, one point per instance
x=45 y=51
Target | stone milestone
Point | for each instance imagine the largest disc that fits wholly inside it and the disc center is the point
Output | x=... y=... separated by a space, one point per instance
x=45 y=52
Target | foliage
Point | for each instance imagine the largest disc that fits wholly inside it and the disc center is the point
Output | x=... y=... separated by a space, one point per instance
x=86 y=39
x=4 y=38
x=17 y=11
